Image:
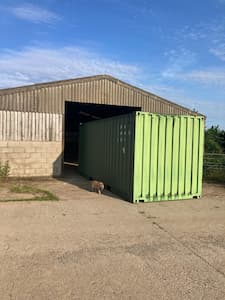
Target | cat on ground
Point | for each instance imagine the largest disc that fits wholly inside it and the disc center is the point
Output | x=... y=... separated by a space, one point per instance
x=97 y=186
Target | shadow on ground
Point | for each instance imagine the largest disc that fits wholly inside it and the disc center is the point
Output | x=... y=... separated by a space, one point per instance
x=71 y=175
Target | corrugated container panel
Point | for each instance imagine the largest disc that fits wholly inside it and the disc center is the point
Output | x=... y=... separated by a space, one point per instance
x=174 y=173
x=145 y=157
x=108 y=148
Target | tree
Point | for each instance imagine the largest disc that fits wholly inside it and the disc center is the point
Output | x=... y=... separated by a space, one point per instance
x=214 y=140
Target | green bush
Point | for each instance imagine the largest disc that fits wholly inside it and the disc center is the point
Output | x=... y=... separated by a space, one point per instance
x=4 y=170
x=214 y=140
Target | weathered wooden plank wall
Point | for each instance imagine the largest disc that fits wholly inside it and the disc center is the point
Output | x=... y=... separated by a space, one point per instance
x=30 y=126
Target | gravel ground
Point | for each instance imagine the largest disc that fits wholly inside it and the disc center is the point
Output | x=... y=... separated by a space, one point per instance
x=90 y=246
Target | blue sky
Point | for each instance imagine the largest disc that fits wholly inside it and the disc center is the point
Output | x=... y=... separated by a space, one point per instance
x=175 y=49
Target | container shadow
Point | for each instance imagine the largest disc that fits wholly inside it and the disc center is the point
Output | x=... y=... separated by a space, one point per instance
x=71 y=175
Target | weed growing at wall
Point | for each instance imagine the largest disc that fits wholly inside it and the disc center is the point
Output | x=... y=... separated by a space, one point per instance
x=4 y=170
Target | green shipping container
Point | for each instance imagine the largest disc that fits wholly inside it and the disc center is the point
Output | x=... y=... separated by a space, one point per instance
x=145 y=157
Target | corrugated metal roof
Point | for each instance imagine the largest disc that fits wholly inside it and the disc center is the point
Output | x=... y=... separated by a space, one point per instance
x=101 y=89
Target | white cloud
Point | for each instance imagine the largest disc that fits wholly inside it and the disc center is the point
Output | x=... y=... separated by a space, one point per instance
x=211 y=77
x=202 y=31
x=215 y=77
x=182 y=65
x=178 y=60
x=208 y=36
x=36 y=64
x=219 y=52
x=34 y=13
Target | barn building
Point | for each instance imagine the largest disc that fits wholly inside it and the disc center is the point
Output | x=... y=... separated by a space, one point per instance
x=39 y=124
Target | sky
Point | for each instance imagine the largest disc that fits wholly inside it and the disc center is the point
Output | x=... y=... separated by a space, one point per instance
x=174 y=48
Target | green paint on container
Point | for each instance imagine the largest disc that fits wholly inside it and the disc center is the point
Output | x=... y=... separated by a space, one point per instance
x=145 y=157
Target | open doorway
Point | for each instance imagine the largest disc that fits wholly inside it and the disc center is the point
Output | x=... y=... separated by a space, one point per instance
x=78 y=113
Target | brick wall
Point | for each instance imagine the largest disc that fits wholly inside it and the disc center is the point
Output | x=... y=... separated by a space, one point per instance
x=32 y=158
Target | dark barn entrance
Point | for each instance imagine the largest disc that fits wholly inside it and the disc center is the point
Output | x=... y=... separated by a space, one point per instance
x=78 y=113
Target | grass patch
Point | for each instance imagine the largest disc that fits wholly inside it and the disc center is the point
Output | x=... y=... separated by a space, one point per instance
x=37 y=194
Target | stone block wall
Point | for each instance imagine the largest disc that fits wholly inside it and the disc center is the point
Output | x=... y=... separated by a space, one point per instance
x=28 y=159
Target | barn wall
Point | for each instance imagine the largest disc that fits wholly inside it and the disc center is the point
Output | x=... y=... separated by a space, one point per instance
x=50 y=98
x=30 y=126
x=31 y=143
x=31 y=118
